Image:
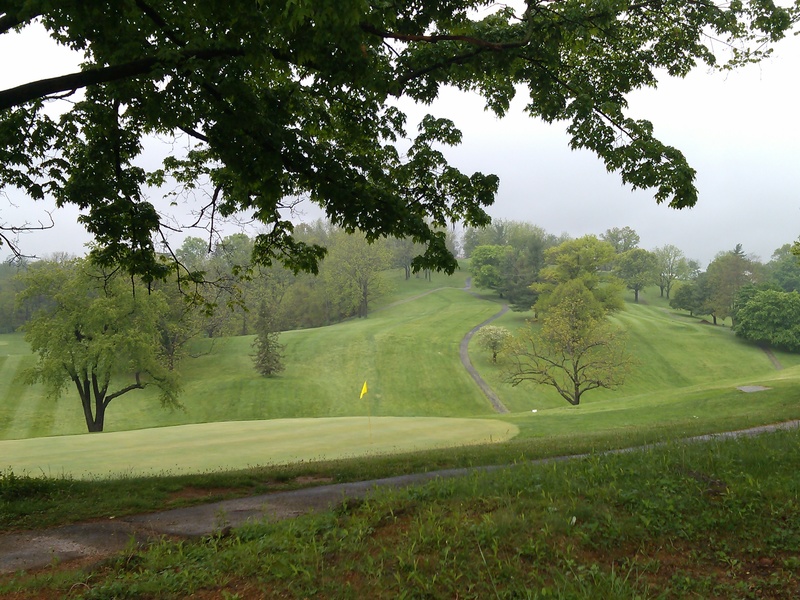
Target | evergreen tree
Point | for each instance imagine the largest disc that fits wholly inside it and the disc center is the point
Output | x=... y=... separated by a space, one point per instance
x=268 y=358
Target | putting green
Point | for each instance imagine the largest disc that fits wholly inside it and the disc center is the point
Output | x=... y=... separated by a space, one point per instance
x=240 y=444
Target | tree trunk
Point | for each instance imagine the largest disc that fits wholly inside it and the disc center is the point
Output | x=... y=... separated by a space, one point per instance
x=636 y=295
x=94 y=422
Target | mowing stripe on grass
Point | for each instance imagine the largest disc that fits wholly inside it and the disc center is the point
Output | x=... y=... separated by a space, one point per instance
x=242 y=444
x=8 y=371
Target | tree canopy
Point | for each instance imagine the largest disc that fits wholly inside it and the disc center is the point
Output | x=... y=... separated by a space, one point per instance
x=771 y=318
x=283 y=100
x=637 y=268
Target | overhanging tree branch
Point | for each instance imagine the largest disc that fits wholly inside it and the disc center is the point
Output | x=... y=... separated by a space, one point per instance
x=45 y=87
x=9 y=21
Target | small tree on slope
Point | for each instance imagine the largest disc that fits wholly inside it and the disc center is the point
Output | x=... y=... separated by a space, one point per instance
x=575 y=351
x=268 y=358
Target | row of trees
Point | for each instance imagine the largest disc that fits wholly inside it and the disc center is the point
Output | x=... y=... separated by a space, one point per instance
x=350 y=278
x=761 y=300
x=518 y=259
x=233 y=288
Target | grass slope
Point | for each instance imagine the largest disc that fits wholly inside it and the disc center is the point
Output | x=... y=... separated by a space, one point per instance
x=684 y=383
x=325 y=369
x=675 y=354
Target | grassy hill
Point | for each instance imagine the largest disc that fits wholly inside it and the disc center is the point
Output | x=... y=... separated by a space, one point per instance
x=407 y=353
x=717 y=519
x=684 y=382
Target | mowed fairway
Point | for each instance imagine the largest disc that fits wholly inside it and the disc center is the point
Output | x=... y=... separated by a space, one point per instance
x=420 y=396
x=408 y=354
x=216 y=446
x=686 y=371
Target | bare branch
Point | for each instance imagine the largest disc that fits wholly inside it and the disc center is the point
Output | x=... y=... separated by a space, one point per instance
x=9 y=235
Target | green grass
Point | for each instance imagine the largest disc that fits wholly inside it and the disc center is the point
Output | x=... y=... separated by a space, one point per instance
x=401 y=289
x=718 y=519
x=325 y=369
x=233 y=445
x=685 y=384
x=673 y=352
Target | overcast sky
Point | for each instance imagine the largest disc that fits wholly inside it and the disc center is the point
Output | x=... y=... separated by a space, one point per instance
x=739 y=130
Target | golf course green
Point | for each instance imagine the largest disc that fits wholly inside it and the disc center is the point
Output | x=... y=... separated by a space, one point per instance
x=230 y=445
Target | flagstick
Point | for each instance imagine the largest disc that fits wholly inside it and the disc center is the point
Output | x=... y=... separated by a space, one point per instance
x=369 y=410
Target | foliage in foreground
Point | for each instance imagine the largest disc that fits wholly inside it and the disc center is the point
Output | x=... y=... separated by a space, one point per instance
x=713 y=519
x=298 y=99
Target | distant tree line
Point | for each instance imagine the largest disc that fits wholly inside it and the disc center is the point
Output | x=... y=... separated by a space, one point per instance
x=523 y=264
x=232 y=289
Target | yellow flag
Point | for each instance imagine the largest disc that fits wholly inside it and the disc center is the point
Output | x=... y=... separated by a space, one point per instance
x=363 y=391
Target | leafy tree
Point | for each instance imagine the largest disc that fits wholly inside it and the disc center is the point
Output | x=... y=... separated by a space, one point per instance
x=687 y=297
x=493 y=234
x=493 y=338
x=523 y=267
x=96 y=334
x=580 y=259
x=727 y=274
x=697 y=296
x=575 y=351
x=637 y=268
x=487 y=265
x=194 y=253
x=285 y=99
x=694 y=268
x=784 y=269
x=12 y=314
x=510 y=268
x=352 y=272
x=672 y=266
x=403 y=251
x=771 y=318
x=622 y=239
x=268 y=357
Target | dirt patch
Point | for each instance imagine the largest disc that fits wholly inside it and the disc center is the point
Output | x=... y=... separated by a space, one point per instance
x=312 y=479
x=749 y=389
x=189 y=494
